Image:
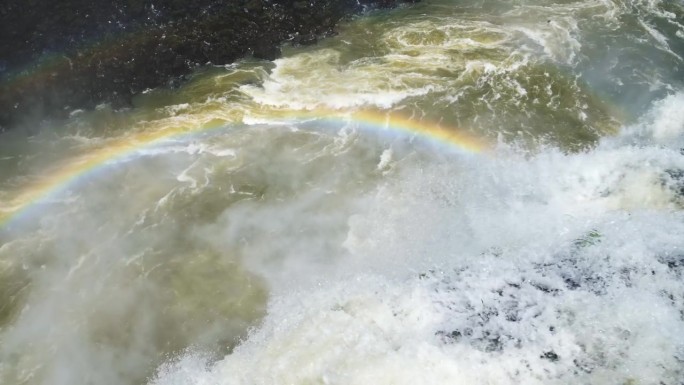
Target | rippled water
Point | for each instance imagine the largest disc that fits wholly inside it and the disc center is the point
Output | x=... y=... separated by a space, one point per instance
x=252 y=228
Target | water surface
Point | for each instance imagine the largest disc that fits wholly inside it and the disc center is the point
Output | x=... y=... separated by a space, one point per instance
x=286 y=239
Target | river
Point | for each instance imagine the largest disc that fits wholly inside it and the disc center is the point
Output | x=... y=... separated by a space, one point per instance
x=454 y=192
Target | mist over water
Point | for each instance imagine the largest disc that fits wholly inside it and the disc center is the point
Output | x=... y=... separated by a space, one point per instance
x=281 y=248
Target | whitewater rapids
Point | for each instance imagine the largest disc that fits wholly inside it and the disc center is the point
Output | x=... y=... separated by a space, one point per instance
x=281 y=248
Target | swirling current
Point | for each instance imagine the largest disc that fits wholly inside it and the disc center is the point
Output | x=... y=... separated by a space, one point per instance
x=453 y=192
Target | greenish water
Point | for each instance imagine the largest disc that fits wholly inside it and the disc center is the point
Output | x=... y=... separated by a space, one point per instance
x=280 y=247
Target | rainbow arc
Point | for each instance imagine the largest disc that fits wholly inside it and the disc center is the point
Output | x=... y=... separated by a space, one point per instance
x=69 y=172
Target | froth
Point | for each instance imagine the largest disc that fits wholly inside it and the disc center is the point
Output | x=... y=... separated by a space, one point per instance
x=551 y=268
x=320 y=80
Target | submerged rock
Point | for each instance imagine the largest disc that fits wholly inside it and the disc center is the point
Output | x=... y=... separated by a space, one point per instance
x=58 y=56
x=675 y=181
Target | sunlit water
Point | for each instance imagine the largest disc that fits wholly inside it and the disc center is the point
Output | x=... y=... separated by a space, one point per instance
x=281 y=248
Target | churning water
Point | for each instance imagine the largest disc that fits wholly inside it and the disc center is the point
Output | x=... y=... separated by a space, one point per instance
x=309 y=221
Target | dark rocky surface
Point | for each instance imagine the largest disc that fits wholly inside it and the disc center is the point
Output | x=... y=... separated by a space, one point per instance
x=56 y=56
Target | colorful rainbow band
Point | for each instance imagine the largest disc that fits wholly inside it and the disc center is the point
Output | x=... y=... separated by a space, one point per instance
x=69 y=172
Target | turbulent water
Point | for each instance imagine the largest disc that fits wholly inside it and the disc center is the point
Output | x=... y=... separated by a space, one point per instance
x=274 y=247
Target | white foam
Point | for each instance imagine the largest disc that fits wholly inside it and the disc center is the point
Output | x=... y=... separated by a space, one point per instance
x=558 y=268
x=663 y=125
x=329 y=83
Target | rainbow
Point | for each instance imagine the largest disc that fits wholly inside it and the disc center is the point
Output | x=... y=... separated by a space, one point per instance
x=71 y=171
